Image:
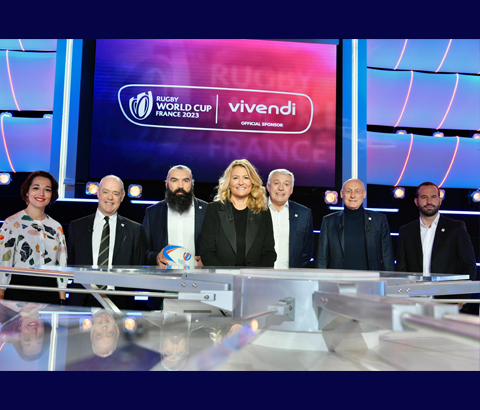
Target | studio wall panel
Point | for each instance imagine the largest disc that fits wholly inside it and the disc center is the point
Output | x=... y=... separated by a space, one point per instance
x=27 y=80
x=28 y=44
x=409 y=160
x=25 y=143
x=442 y=55
x=423 y=100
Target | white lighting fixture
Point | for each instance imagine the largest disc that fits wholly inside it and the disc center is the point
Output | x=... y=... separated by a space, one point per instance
x=135 y=191
x=401 y=132
x=331 y=197
x=476 y=196
x=438 y=134
x=442 y=194
x=5 y=178
x=92 y=188
x=476 y=136
x=398 y=192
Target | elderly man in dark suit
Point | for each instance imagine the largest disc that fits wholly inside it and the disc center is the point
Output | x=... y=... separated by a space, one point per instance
x=177 y=220
x=355 y=238
x=292 y=222
x=105 y=239
x=434 y=243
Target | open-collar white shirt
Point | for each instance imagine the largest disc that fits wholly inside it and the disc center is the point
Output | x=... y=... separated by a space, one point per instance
x=181 y=228
x=281 y=234
x=428 y=235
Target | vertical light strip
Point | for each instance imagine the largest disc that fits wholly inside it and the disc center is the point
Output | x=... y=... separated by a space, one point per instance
x=11 y=83
x=354 y=108
x=406 y=160
x=5 y=143
x=451 y=101
x=443 y=59
x=401 y=55
x=406 y=99
x=65 y=118
x=216 y=112
x=21 y=45
x=451 y=162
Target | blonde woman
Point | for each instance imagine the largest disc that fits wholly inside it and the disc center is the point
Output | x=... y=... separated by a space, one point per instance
x=237 y=229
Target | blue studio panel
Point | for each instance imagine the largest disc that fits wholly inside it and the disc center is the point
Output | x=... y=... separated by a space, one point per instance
x=28 y=78
x=423 y=100
x=27 y=141
x=444 y=55
x=439 y=159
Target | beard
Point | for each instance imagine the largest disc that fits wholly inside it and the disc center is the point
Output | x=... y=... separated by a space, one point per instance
x=429 y=212
x=179 y=203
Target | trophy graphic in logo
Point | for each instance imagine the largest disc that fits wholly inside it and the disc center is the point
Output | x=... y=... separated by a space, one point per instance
x=141 y=105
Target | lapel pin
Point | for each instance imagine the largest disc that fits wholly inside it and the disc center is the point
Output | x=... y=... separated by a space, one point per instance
x=443 y=229
x=369 y=218
x=296 y=215
x=199 y=207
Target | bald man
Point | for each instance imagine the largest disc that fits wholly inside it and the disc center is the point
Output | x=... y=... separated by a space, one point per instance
x=127 y=240
x=355 y=238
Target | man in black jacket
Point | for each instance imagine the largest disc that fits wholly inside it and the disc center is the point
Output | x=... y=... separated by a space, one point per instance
x=434 y=243
x=355 y=238
x=126 y=239
x=177 y=220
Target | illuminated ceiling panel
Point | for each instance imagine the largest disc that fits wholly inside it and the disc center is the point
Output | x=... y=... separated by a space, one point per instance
x=458 y=55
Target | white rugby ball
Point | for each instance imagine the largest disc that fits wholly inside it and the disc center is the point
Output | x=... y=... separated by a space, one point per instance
x=179 y=257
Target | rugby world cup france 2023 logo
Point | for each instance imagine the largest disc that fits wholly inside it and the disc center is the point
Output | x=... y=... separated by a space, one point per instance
x=141 y=105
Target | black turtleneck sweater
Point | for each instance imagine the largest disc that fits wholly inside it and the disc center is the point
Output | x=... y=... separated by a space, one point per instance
x=355 y=245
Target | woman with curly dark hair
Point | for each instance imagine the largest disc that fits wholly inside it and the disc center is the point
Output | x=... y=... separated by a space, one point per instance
x=31 y=239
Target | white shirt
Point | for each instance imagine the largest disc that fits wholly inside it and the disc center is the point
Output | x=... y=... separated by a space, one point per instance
x=428 y=235
x=97 y=236
x=181 y=228
x=281 y=234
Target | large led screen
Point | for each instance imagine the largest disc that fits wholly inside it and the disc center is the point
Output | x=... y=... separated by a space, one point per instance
x=204 y=103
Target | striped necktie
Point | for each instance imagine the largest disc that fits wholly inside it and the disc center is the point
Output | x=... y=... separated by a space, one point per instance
x=103 y=253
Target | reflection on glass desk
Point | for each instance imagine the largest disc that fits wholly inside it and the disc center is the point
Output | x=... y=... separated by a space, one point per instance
x=49 y=337
x=38 y=338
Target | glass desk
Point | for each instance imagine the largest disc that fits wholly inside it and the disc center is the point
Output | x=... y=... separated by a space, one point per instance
x=252 y=319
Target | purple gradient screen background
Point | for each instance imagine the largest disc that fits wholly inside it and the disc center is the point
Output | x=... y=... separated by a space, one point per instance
x=121 y=147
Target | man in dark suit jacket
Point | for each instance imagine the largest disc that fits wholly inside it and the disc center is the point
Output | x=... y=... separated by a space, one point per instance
x=355 y=238
x=434 y=243
x=296 y=250
x=84 y=236
x=179 y=199
x=179 y=202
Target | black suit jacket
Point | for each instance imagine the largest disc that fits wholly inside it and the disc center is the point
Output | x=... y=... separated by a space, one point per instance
x=219 y=240
x=452 y=250
x=130 y=242
x=331 y=243
x=301 y=235
x=156 y=227
x=130 y=247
